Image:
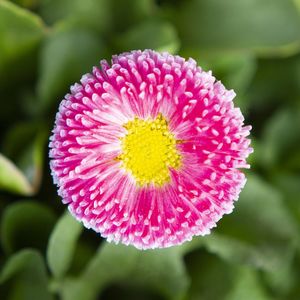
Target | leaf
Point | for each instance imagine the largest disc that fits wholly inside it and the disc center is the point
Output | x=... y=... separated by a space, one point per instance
x=283 y=279
x=76 y=289
x=12 y=179
x=160 y=270
x=62 y=244
x=236 y=251
x=25 y=143
x=239 y=252
x=153 y=34
x=289 y=186
x=281 y=140
x=262 y=222
x=29 y=4
x=275 y=79
x=110 y=263
x=255 y=218
x=106 y=261
x=104 y=16
x=267 y=259
x=267 y=26
x=26 y=224
x=68 y=53
x=260 y=233
x=211 y=277
x=28 y=271
x=94 y=14
x=21 y=31
x=163 y=271
x=129 y=13
x=247 y=286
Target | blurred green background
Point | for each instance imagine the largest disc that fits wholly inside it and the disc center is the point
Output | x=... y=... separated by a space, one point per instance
x=253 y=46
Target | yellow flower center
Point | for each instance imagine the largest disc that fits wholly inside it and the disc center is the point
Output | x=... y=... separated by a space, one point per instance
x=149 y=150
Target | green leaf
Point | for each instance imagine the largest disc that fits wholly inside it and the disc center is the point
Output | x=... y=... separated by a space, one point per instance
x=252 y=236
x=26 y=224
x=127 y=13
x=236 y=251
x=262 y=222
x=247 y=286
x=266 y=26
x=275 y=80
x=20 y=31
x=76 y=289
x=104 y=16
x=106 y=260
x=281 y=140
x=211 y=277
x=163 y=271
x=62 y=244
x=239 y=252
x=67 y=54
x=12 y=179
x=283 y=279
x=27 y=270
x=94 y=14
x=289 y=186
x=29 y=4
x=156 y=35
x=255 y=218
x=25 y=144
x=265 y=259
x=160 y=270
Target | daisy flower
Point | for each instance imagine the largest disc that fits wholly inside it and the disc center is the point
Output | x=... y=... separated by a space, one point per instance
x=147 y=150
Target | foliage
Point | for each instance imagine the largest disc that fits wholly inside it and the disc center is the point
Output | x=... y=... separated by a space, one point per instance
x=252 y=46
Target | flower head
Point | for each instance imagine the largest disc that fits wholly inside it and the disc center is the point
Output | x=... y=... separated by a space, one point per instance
x=147 y=150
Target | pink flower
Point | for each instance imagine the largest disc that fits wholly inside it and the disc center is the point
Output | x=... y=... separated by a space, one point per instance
x=147 y=150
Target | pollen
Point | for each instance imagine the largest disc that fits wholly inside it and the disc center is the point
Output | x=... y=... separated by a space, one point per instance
x=149 y=150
